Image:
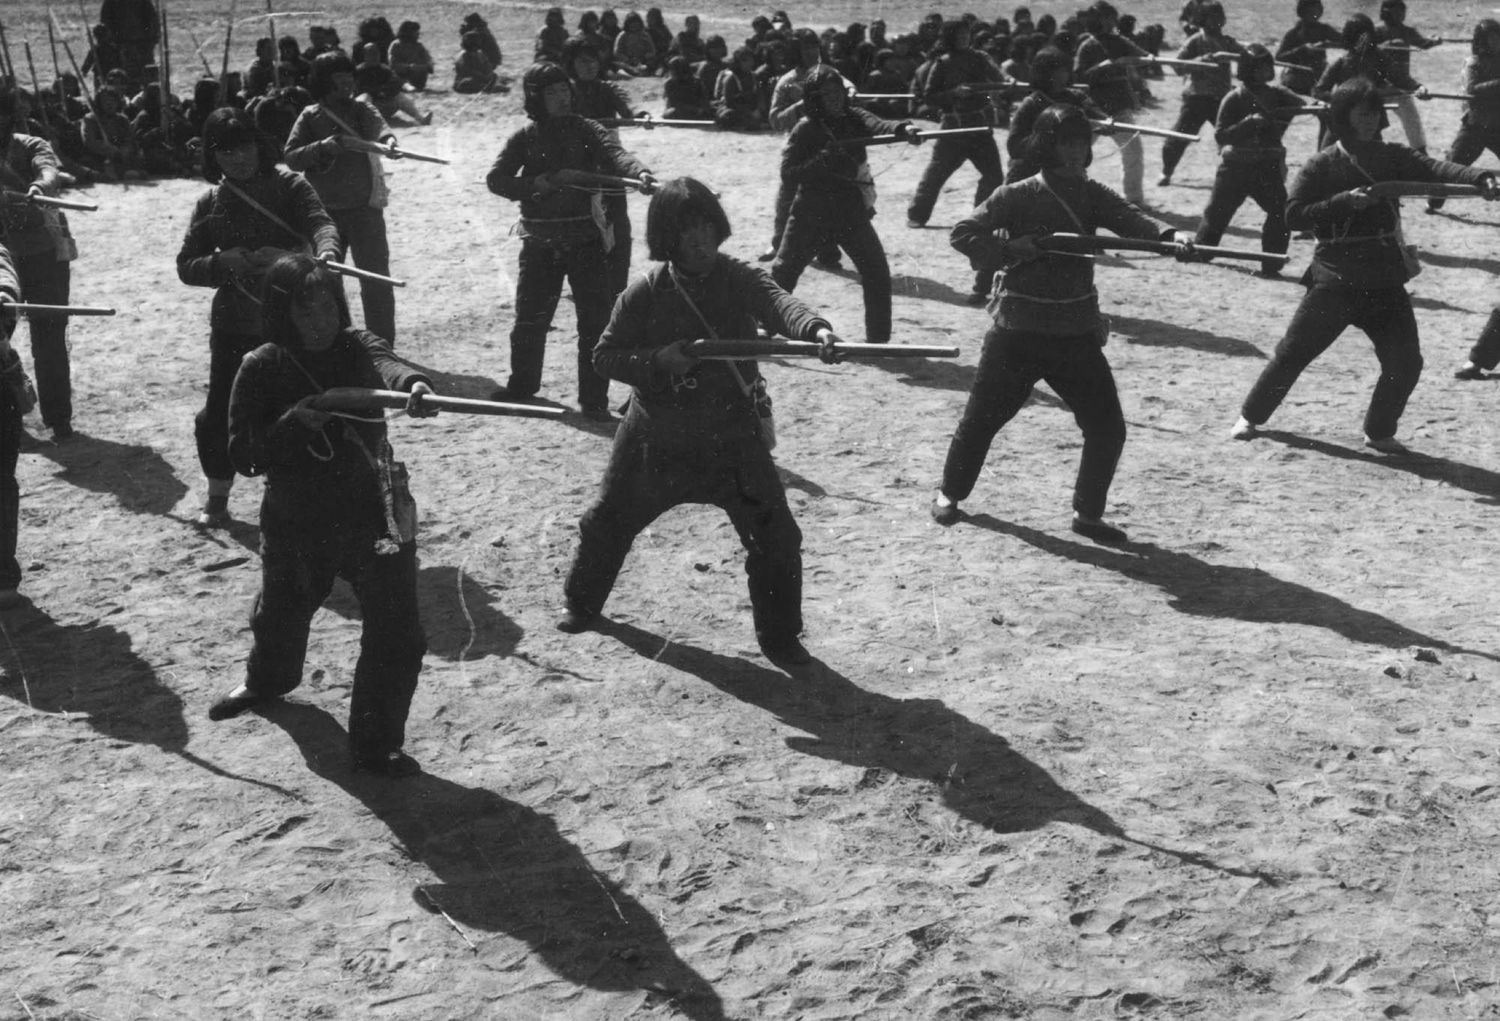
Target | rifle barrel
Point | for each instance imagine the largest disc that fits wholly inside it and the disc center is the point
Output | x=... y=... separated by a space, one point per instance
x=356 y=398
x=32 y=309
x=1074 y=243
x=735 y=350
x=344 y=269
x=1142 y=129
x=48 y=200
x=653 y=122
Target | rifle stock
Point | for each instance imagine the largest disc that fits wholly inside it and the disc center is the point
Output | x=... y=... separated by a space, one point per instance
x=358 y=398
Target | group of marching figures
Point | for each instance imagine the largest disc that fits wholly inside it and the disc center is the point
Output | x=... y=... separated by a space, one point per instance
x=698 y=426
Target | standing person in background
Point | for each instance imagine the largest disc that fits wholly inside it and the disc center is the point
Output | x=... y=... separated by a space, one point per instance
x=597 y=99
x=1359 y=269
x=1252 y=158
x=1047 y=321
x=336 y=505
x=1364 y=59
x=254 y=214
x=43 y=252
x=1480 y=127
x=1306 y=45
x=1205 y=90
x=565 y=232
x=784 y=113
x=694 y=432
x=1097 y=66
x=13 y=397
x=1397 y=39
x=834 y=194
x=350 y=183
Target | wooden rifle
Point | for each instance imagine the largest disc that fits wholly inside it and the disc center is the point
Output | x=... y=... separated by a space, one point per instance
x=778 y=347
x=48 y=200
x=1112 y=125
x=355 y=144
x=840 y=143
x=1085 y=244
x=353 y=399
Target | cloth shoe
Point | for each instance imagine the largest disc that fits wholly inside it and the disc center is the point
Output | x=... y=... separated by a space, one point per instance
x=1386 y=445
x=574 y=621
x=1100 y=531
x=1244 y=429
x=945 y=512
x=215 y=512
x=1469 y=371
x=235 y=702
x=784 y=651
x=10 y=599
x=392 y=764
x=767 y=255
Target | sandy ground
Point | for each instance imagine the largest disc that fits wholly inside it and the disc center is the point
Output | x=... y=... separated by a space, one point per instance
x=1244 y=767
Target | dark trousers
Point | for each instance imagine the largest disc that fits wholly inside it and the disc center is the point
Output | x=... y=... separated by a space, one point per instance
x=1010 y=366
x=785 y=193
x=538 y=289
x=1264 y=182
x=211 y=424
x=46 y=281
x=363 y=231
x=1468 y=145
x=1385 y=314
x=294 y=583
x=1486 y=350
x=1196 y=111
x=948 y=154
x=806 y=235
x=10 y=490
x=643 y=480
x=618 y=257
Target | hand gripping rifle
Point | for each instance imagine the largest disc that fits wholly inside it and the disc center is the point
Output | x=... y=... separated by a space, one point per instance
x=354 y=399
x=778 y=347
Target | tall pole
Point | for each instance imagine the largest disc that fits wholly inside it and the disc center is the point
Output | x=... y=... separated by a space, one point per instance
x=88 y=94
x=228 y=35
x=275 y=50
x=8 y=66
x=164 y=74
x=52 y=42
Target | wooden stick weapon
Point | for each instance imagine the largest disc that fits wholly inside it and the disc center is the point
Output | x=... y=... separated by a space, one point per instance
x=228 y=35
x=275 y=56
x=885 y=95
x=586 y=179
x=344 y=269
x=1083 y=243
x=1185 y=65
x=358 y=398
x=88 y=93
x=8 y=66
x=1113 y=125
x=164 y=73
x=36 y=85
x=52 y=42
x=48 y=200
x=31 y=309
x=775 y=347
x=1422 y=189
x=842 y=143
x=357 y=144
x=88 y=34
x=198 y=49
x=1464 y=96
x=652 y=122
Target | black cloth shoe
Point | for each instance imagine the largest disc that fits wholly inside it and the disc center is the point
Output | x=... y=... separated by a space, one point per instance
x=1469 y=372
x=767 y=255
x=786 y=651
x=63 y=433
x=1104 y=534
x=391 y=764
x=597 y=412
x=234 y=703
x=574 y=621
x=945 y=514
x=977 y=299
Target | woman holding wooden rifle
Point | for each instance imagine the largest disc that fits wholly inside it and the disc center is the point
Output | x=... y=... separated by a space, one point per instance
x=349 y=180
x=1363 y=59
x=1360 y=265
x=43 y=250
x=1047 y=321
x=254 y=214
x=336 y=504
x=834 y=198
x=565 y=230
x=696 y=432
x=1480 y=127
x=1252 y=158
x=597 y=99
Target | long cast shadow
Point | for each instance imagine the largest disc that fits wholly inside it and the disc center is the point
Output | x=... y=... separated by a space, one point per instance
x=1435 y=258
x=1152 y=333
x=977 y=772
x=137 y=476
x=91 y=670
x=1482 y=482
x=503 y=867
x=1236 y=593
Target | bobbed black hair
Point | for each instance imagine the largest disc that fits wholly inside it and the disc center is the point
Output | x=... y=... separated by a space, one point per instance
x=324 y=67
x=1481 y=32
x=1255 y=56
x=1059 y=123
x=536 y=80
x=1357 y=27
x=1047 y=62
x=288 y=278
x=812 y=90
x=1348 y=97
x=228 y=128
x=678 y=202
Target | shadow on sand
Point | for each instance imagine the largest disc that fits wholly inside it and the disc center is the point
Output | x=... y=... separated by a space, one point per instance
x=137 y=476
x=503 y=867
x=91 y=671
x=1482 y=482
x=1249 y=594
x=976 y=772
